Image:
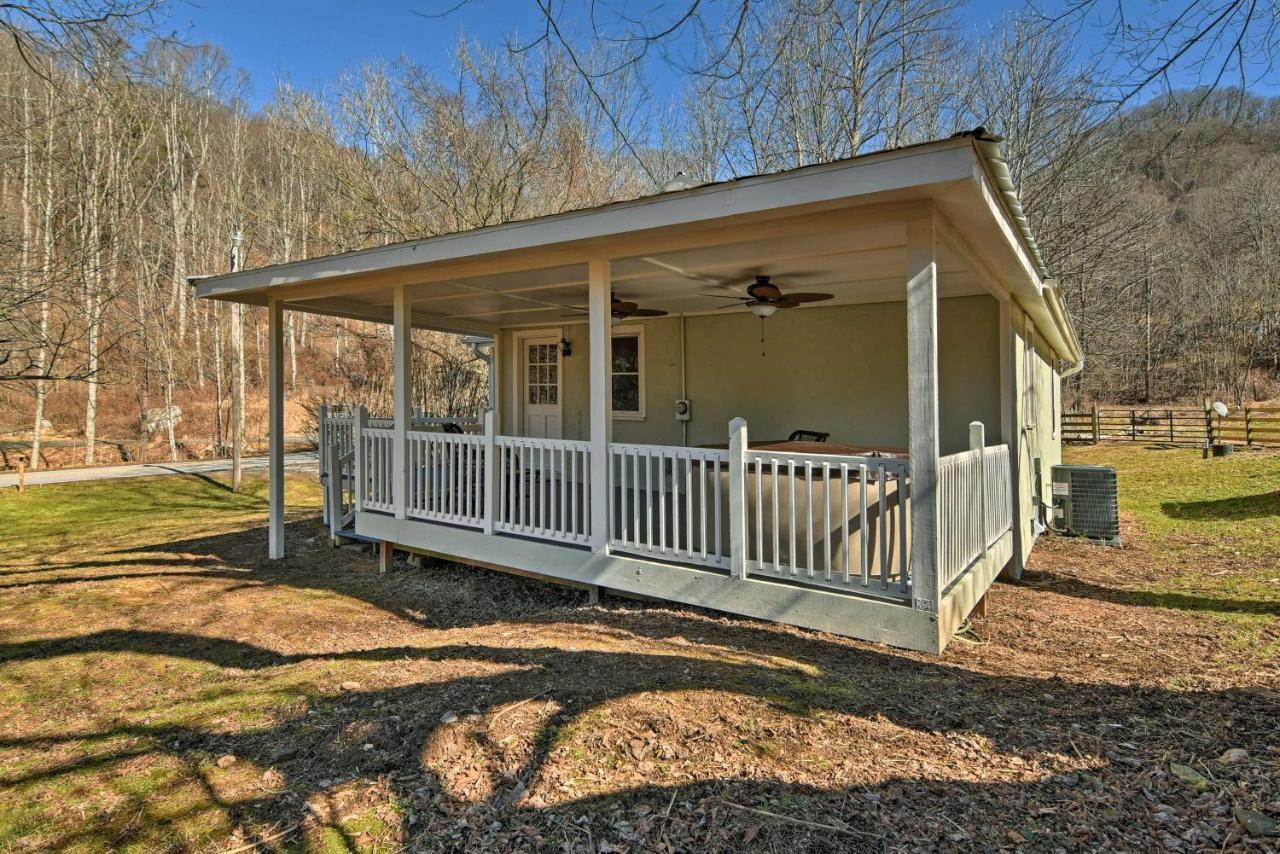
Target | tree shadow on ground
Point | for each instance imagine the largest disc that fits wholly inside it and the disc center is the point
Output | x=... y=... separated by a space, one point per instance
x=1260 y=506
x=225 y=486
x=313 y=749
x=1178 y=601
x=1085 y=762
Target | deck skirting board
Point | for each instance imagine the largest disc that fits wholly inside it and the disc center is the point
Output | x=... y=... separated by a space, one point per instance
x=839 y=613
x=959 y=600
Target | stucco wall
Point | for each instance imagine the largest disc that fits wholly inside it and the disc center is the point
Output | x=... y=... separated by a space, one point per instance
x=838 y=369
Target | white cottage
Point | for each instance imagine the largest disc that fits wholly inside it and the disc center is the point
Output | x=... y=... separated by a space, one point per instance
x=826 y=397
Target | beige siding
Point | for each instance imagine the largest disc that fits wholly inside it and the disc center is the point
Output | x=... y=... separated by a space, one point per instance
x=1039 y=400
x=839 y=369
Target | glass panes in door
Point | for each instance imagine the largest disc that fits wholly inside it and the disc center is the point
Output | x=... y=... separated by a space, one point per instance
x=542 y=371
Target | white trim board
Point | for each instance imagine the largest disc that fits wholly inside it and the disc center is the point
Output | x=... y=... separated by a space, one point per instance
x=845 y=614
x=937 y=162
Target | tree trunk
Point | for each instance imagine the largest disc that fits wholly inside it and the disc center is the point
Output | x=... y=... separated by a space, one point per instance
x=168 y=408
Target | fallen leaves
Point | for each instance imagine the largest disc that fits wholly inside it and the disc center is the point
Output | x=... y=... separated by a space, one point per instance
x=449 y=708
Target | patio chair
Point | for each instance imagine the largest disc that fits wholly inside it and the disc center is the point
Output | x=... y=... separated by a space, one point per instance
x=451 y=427
x=808 y=436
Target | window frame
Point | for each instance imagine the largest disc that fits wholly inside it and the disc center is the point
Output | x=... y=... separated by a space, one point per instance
x=628 y=331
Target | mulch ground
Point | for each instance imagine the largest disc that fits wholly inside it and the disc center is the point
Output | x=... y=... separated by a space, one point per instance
x=445 y=708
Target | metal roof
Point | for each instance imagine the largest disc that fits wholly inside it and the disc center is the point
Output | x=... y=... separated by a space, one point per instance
x=679 y=205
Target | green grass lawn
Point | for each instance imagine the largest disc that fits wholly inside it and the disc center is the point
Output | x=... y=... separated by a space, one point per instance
x=1207 y=531
x=63 y=538
x=1229 y=506
x=113 y=513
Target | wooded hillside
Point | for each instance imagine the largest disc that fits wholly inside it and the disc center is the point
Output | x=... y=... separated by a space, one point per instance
x=1176 y=289
x=123 y=171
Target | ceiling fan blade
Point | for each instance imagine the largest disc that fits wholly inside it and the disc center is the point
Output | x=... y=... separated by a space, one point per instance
x=785 y=302
x=798 y=298
x=647 y=312
x=621 y=307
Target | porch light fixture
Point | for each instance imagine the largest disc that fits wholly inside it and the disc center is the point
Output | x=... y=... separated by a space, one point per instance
x=763 y=309
x=481 y=348
x=566 y=349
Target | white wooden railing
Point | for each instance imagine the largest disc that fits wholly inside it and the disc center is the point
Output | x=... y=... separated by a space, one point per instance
x=831 y=521
x=999 y=492
x=375 y=472
x=446 y=480
x=338 y=427
x=336 y=430
x=543 y=488
x=974 y=506
x=339 y=490
x=670 y=503
x=336 y=437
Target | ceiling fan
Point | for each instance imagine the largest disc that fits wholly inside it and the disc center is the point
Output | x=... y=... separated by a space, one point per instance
x=764 y=298
x=620 y=310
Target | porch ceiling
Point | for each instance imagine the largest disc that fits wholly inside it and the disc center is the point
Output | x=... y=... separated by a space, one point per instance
x=858 y=266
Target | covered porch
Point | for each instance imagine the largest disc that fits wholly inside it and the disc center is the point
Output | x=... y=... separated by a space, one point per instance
x=666 y=470
x=826 y=521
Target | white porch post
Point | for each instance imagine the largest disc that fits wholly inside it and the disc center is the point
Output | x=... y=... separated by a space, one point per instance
x=738 y=498
x=322 y=441
x=922 y=408
x=402 y=365
x=495 y=391
x=275 y=429
x=493 y=372
x=601 y=395
x=359 y=422
x=491 y=473
x=1011 y=426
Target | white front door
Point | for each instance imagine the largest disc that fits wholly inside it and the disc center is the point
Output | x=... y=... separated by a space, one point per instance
x=540 y=381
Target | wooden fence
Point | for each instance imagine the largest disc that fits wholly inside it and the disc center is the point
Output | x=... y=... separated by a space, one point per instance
x=1251 y=425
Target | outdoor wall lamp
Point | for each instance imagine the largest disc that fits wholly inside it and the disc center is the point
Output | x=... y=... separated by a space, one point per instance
x=481 y=348
x=566 y=349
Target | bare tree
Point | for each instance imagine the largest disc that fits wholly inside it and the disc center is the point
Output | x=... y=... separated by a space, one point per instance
x=1199 y=44
x=72 y=28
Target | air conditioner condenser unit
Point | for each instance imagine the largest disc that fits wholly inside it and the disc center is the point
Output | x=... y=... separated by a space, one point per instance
x=1086 y=503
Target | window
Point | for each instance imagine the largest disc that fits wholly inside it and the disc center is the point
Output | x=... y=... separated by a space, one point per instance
x=628 y=373
x=543 y=369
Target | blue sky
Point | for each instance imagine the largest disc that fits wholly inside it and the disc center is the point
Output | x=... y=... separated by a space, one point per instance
x=311 y=42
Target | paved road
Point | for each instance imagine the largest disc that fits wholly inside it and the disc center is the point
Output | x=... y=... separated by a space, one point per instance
x=302 y=459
